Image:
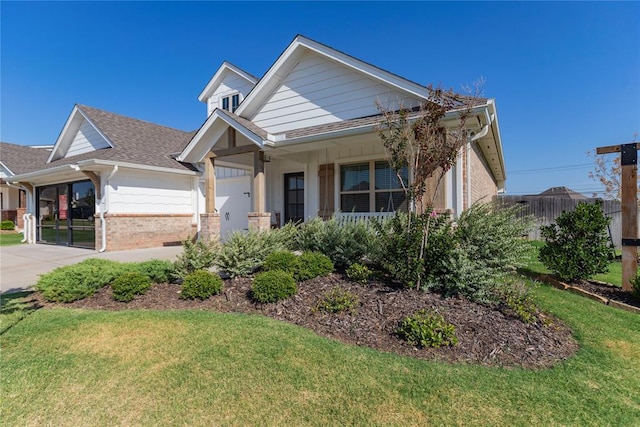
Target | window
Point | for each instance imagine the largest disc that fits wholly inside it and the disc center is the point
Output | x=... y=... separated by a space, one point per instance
x=234 y=100
x=371 y=187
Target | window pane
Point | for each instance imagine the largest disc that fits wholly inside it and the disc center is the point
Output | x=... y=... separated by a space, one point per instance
x=225 y=103
x=386 y=178
x=235 y=101
x=354 y=202
x=390 y=201
x=354 y=178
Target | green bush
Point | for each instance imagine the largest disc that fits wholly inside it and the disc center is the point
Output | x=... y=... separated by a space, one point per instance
x=195 y=256
x=427 y=329
x=272 y=286
x=635 y=284
x=157 y=270
x=7 y=225
x=201 y=284
x=78 y=281
x=515 y=299
x=577 y=244
x=282 y=260
x=312 y=265
x=129 y=284
x=244 y=252
x=485 y=246
x=398 y=247
x=338 y=300
x=359 y=273
x=343 y=243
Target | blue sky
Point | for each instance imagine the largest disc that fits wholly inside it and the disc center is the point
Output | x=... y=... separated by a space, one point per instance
x=565 y=76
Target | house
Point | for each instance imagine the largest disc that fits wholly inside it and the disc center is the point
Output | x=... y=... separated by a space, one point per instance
x=297 y=143
x=17 y=159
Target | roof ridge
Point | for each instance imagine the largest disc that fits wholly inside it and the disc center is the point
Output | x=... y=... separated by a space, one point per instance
x=81 y=106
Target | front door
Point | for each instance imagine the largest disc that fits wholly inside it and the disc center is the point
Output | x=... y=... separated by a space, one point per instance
x=294 y=197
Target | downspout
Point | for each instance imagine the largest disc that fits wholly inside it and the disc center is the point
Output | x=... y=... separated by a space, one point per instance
x=105 y=200
x=481 y=134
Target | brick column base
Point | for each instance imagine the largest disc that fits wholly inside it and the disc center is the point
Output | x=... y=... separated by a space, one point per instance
x=260 y=221
x=19 y=221
x=210 y=227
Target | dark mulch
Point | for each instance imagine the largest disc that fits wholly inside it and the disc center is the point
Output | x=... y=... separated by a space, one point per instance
x=486 y=336
x=607 y=291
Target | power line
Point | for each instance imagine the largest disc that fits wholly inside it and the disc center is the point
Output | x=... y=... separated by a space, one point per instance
x=550 y=169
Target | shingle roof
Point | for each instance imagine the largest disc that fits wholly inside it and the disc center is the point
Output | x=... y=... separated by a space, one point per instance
x=134 y=141
x=21 y=158
x=562 y=193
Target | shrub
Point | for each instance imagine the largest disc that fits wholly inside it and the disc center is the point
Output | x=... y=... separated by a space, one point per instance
x=243 y=252
x=7 y=225
x=157 y=270
x=338 y=300
x=195 y=256
x=130 y=284
x=635 y=284
x=359 y=273
x=427 y=329
x=515 y=299
x=577 y=244
x=201 y=284
x=281 y=260
x=272 y=286
x=343 y=243
x=485 y=246
x=312 y=265
x=74 y=282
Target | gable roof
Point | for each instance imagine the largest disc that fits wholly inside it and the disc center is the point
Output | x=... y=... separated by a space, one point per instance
x=132 y=141
x=562 y=193
x=288 y=59
x=217 y=78
x=19 y=159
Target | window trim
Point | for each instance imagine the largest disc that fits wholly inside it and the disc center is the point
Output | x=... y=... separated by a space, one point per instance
x=230 y=98
x=372 y=191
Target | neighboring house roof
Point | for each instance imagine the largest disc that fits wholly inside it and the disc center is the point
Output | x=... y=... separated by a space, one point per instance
x=19 y=159
x=131 y=140
x=562 y=193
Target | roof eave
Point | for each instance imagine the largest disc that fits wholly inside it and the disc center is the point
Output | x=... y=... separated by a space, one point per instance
x=218 y=75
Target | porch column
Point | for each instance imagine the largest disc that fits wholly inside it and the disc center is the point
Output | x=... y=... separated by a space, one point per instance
x=210 y=220
x=259 y=219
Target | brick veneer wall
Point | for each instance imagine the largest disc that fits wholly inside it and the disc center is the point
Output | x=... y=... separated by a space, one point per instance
x=137 y=231
x=483 y=185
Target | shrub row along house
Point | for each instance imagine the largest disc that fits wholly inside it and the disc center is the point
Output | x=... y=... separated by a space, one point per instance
x=297 y=143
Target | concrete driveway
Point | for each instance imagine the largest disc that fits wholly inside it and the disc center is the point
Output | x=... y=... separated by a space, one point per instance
x=21 y=265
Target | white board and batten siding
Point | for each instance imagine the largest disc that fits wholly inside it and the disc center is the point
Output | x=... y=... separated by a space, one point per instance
x=87 y=139
x=139 y=192
x=319 y=91
x=231 y=84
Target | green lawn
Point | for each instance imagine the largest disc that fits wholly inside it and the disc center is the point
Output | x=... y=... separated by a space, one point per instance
x=74 y=367
x=10 y=239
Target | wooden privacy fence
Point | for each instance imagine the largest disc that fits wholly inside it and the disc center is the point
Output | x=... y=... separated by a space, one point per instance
x=547 y=209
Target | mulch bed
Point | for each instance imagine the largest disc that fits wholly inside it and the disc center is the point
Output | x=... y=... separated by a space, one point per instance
x=607 y=291
x=486 y=336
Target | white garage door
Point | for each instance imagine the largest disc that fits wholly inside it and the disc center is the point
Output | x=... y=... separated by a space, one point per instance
x=233 y=201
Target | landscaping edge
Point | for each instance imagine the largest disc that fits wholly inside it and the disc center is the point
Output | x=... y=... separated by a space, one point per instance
x=546 y=278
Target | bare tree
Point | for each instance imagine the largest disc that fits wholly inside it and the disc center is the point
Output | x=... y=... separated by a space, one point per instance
x=608 y=174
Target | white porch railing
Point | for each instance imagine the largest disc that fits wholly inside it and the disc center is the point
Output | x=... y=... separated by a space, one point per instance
x=350 y=217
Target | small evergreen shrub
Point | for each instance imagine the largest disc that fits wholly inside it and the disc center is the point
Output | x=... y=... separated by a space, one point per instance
x=157 y=270
x=244 y=252
x=515 y=299
x=73 y=282
x=195 y=256
x=577 y=244
x=272 y=286
x=427 y=329
x=129 y=284
x=7 y=225
x=344 y=243
x=635 y=285
x=201 y=284
x=312 y=265
x=281 y=260
x=338 y=300
x=359 y=273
